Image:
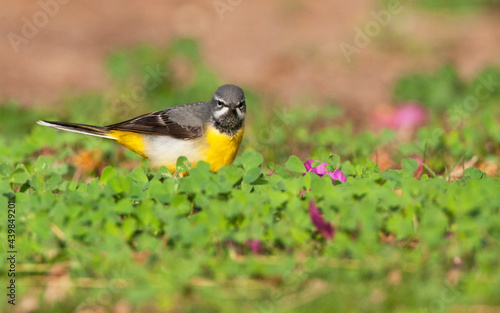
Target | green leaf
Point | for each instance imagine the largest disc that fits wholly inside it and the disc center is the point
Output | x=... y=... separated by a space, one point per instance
x=129 y=227
x=189 y=184
x=163 y=172
x=270 y=166
x=250 y=159
x=161 y=191
x=42 y=165
x=231 y=174
x=5 y=169
x=473 y=173
x=251 y=175
x=20 y=175
x=180 y=204
x=202 y=167
x=294 y=164
x=182 y=165
x=120 y=184
x=401 y=226
x=348 y=168
x=409 y=166
x=107 y=174
x=139 y=175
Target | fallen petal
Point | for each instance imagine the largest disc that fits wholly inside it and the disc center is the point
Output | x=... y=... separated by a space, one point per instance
x=324 y=228
x=255 y=245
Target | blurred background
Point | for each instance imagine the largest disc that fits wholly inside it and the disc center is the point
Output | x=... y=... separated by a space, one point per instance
x=286 y=50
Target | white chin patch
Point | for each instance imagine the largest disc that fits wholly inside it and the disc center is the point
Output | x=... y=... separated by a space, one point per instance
x=241 y=115
x=218 y=114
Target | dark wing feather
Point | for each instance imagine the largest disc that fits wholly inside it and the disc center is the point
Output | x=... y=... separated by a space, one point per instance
x=158 y=123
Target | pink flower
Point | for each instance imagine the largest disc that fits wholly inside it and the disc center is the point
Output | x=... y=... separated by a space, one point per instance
x=409 y=116
x=254 y=245
x=324 y=228
x=321 y=170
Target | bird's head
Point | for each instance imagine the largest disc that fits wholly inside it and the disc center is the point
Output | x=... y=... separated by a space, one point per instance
x=228 y=108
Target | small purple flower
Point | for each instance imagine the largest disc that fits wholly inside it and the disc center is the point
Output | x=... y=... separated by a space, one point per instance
x=254 y=244
x=321 y=170
x=324 y=228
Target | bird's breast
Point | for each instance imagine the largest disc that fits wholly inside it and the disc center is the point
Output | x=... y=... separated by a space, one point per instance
x=221 y=148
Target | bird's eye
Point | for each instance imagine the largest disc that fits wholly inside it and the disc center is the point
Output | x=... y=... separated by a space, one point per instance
x=242 y=103
x=220 y=103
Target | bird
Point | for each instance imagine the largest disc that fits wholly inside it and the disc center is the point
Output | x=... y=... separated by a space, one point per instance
x=209 y=131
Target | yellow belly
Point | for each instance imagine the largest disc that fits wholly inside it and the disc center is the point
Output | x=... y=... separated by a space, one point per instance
x=131 y=140
x=221 y=148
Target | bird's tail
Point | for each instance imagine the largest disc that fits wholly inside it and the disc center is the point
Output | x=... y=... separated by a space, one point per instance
x=78 y=128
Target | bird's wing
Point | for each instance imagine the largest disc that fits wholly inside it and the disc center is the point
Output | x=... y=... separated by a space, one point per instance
x=164 y=123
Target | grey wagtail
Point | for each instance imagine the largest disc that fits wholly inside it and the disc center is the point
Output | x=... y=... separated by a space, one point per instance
x=210 y=131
